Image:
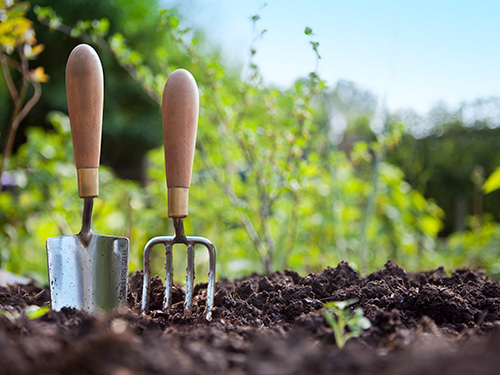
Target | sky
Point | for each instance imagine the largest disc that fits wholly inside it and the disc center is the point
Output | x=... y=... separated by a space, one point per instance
x=412 y=53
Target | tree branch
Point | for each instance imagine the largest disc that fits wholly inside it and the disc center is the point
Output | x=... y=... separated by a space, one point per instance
x=8 y=78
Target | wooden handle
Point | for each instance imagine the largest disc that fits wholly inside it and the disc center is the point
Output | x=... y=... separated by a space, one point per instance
x=85 y=94
x=180 y=121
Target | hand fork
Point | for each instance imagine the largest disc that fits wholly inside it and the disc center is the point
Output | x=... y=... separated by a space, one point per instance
x=180 y=120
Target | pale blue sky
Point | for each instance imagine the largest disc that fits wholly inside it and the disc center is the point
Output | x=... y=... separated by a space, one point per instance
x=413 y=52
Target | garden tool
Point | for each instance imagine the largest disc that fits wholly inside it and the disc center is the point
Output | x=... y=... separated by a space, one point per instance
x=87 y=271
x=180 y=120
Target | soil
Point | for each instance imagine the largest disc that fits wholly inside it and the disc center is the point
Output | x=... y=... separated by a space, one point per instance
x=423 y=323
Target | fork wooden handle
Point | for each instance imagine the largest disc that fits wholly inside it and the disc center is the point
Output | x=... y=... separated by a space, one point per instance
x=180 y=121
x=85 y=94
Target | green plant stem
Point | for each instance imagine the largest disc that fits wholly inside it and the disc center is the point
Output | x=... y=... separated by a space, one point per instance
x=339 y=332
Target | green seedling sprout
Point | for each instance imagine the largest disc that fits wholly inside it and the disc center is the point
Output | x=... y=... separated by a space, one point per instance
x=340 y=317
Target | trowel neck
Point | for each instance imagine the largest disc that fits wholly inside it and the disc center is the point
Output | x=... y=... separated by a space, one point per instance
x=179 y=228
x=86 y=232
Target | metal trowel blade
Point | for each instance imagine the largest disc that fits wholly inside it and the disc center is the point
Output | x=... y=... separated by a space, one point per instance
x=92 y=278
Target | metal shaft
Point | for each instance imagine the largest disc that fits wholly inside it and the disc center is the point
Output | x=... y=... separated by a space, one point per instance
x=85 y=234
x=179 y=234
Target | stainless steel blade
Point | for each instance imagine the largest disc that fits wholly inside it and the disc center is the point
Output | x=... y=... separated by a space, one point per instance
x=91 y=278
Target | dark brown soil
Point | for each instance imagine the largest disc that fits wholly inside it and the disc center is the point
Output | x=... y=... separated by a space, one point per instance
x=425 y=323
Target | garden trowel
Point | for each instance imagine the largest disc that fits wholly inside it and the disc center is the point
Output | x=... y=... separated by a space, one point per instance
x=87 y=271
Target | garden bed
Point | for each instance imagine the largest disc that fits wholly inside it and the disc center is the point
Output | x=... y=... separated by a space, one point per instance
x=424 y=323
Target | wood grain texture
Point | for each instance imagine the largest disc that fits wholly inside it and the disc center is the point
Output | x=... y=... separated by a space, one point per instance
x=85 y=94
x=180 y=108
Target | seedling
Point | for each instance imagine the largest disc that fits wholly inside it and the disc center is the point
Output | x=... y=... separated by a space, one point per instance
x=340 y=317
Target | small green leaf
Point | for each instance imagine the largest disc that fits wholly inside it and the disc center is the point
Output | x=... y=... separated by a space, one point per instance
x=174 y=22
x=308 y=31
x=33 y=312
x=493 y=182
x=364 y=322
x=101 y=26
x=75 y=32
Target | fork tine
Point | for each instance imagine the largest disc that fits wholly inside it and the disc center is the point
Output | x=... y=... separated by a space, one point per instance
x=211 y=280
x=189 y=279
x=169 y=277
x=146 y=278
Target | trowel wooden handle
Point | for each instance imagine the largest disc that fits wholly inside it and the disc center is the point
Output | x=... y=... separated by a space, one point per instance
x=180 y=121
x=84 y=91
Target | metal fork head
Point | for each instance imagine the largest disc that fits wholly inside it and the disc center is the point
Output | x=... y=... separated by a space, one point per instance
x=190 y=241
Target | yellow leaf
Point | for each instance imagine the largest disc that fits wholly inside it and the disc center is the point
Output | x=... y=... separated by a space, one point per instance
x=32 y=52
x=39 y=74
x=493 y=182
x=36 y=50
x=8 y=43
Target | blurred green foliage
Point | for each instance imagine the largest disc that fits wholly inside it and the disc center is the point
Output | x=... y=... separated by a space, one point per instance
x=451 y=167
x=328 y=211
x=280 y=178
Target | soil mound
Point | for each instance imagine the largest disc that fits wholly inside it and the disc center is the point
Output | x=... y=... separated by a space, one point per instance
x=425 y=322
